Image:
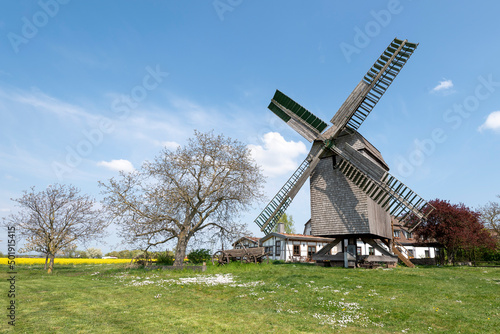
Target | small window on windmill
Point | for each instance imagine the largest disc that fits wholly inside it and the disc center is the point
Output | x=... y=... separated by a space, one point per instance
x=278 y=247
x=396 y=234
x=427 y=254
x=371 y=251
x=358 y=250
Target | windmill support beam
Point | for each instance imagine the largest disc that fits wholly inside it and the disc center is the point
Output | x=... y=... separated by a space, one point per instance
x=375 y=245
x=323 y=253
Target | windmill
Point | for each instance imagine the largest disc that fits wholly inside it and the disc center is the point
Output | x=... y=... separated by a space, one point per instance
x=352 y=192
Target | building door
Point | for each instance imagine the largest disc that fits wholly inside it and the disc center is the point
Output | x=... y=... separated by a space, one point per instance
x=310 y=251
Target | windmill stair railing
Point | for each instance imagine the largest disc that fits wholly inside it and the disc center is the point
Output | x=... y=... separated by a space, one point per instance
x=280 y=202
x=400 y=251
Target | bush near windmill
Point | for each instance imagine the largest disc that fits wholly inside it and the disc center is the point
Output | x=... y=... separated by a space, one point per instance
x=198 y=256
x=202 y=186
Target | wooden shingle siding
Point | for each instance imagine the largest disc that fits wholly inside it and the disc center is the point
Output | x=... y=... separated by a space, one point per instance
x=338 y=206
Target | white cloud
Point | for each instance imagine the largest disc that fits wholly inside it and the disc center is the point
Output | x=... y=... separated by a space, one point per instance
x=443 y=86
x=118 y=165
x=40 y=101
x=277 y=156
x=171 y=145
x=492 y=122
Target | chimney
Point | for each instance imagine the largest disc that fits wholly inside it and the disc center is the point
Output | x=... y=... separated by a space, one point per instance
x=281 y=228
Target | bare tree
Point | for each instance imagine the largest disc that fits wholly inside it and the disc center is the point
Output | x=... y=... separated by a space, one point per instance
x=51 y=220
x=490 y=215
x=204 y=185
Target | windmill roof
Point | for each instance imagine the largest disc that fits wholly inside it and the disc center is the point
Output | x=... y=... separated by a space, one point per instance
x=360 y=143
x=373 y=151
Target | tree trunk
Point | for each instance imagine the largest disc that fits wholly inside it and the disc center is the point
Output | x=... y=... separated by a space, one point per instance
x=451 y=257
x=180 y=249
x=46 y=260
x=51 y=264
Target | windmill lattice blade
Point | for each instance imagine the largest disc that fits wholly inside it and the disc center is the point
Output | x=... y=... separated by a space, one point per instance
x=275 y=209
x=368 y=92
x=299 y=118
x=277 y=206
x=390 y=193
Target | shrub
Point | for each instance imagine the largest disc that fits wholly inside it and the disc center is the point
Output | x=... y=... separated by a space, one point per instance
x=491 y=255
x=199 y=255
x=165 y=258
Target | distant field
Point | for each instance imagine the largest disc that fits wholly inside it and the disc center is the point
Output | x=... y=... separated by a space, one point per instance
x=265 y=298
x=63 y=261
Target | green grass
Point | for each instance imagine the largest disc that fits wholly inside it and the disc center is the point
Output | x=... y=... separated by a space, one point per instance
x=291 y=298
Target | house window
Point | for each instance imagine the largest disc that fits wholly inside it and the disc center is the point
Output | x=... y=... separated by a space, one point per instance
x=358 y=250
x=427 y=254
x=396 y=234
x=278 y=248
x=409 y=235
x=371 y=251
x=411 y=254
x=296 y=250
x=310 y=251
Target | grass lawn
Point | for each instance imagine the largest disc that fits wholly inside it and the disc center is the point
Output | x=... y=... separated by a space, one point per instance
x=251 y=298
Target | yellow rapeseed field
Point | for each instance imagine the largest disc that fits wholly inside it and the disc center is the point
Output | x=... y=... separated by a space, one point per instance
x=31 y=261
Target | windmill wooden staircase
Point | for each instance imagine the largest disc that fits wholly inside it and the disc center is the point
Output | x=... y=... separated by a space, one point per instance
x=401 y=256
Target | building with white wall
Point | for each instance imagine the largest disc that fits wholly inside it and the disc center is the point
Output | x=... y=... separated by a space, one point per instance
x=293 y=247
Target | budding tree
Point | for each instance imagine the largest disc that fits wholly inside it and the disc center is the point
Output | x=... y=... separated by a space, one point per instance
x=288 y=222
x=202 y=186
x=490 y=216
x=52 y=220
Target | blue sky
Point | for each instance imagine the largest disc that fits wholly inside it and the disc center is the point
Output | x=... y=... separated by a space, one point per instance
x=91 y=87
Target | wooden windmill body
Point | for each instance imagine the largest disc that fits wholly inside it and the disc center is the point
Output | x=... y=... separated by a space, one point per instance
x=352 y=193
x=338 y=206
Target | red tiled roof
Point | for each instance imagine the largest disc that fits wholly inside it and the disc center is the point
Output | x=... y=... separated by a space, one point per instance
x=301 y=236
x=249 y=238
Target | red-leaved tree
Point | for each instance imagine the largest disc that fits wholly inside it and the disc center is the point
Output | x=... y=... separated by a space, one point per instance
x=457 y=228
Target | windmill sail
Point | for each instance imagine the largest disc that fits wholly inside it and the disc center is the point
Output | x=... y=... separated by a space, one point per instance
x=390 y=193
x=280 y=202
x=299 y=118
x=368 y=92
